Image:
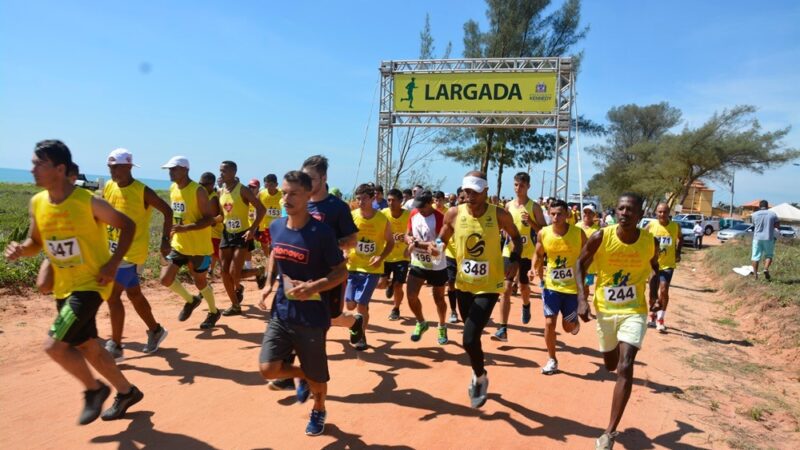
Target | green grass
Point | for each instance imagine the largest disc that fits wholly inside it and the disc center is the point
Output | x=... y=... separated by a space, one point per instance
x=726 y=321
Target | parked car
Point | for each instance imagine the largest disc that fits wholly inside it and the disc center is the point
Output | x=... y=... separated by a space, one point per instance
x=81 y=181
x=724 y=224
x=643 y=223
x=735 y=232
x=787 y=232
x=687 y=231
x=710 y=224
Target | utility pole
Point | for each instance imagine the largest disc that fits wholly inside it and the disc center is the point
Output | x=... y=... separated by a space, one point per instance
x=541 y=194
x=730 y=208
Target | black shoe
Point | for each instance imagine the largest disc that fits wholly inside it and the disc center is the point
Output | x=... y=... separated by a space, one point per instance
x=362 y=344
x=234 y=310
x=211 y=320
x=282 y=384
x=186 y=312
x=122 y=403
x=93 y=403
x=390 y=291
x=395 y=314
x=357 y=330
x=767 y=276
x=240 y=294
x=261 y=281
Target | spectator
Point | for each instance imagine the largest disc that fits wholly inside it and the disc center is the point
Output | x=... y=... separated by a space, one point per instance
x=765 y=224
x=698 y=235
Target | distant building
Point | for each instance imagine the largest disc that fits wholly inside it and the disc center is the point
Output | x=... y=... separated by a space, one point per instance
x=700 y=199
x=749 y=208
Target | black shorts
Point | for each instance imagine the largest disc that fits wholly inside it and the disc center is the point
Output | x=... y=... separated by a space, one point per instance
x=75 y=322
x=198 y=263
x=281 y=339
x=452 y=269
x=335 y=298
x=398 y=270
x=236 y=240
x=435 y=278
x=524 y=268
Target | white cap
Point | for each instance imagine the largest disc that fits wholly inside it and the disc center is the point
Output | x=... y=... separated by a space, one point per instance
x=120 y=156
x=474 y=183
x=590 y=207
x=176 y=161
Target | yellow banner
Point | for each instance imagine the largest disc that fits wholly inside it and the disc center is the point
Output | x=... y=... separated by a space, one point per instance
x=475 y=92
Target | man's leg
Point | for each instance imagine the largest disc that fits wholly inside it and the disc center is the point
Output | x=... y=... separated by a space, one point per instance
x=117 y=312
x=71 y=360
x=479 y=308
x=441 y=305
x=226 y=263
x=104 y=364
x=142 y=306
x=622 y=388
x=414 y=286
x=550 y=335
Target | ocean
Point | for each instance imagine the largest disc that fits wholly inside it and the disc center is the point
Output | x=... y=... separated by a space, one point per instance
x=24 y=176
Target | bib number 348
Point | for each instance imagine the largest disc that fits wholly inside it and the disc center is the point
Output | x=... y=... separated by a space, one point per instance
x=620 y=294
x=474 y=269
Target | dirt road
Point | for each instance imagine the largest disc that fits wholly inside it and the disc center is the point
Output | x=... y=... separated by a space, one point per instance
x=700 y=386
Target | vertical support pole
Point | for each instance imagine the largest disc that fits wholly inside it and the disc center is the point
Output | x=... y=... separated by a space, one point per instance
x=383 y=168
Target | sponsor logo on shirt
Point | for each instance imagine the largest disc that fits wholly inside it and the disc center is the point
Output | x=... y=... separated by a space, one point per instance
x=290 y=253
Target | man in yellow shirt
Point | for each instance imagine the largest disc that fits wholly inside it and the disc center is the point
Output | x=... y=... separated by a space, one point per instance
x=395 y=270
x=67 y=224
x=668 y=235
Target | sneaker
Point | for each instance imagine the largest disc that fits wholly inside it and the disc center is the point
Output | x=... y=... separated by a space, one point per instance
x=478 y=389
x=652 y=322
x=115 y=350
x=93 y=403
x=316 y=423
x=661 y=327
x=233 y=310
x=261 y=280
x=362 y=344
x=577 y=328
x=526 y=313
x=281 y=385
x=395 y=314
x=551 y=367
x=767 y=276
x=303 y=391
x=211 y=320
x=501 y=334
x=606 y=441
x=121 y=404
x=357 y=330
x=420 y=328
x=154 y=339
x=188 y=307
x=443 y=335
x=239 y=294
x=390 y=291
x=453 y=317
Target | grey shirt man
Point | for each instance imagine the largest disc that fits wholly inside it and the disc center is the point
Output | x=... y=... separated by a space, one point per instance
x=764 y=225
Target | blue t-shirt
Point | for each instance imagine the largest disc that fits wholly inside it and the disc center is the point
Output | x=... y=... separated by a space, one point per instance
x=334 y=213
x=303 y=255
x=764 y=222
x=383 y=203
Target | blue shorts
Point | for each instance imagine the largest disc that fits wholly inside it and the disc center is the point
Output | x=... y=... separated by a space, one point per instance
x=763 y=248
x=665 y=275
x=555 y=302
x=589 y=279
x=127 y=277
x=360 y=287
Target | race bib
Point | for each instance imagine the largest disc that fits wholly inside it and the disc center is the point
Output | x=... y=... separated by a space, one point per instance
x=178 y=209
x=112 y=246
x=398 y=237
x=475 y=270
x=64 y=253
x=561 y=275
x=524 y=240
x=665 y=241
x=233 y=224
x=620 y=294
x=365 y=248
x=273 y=212
x=422 y=259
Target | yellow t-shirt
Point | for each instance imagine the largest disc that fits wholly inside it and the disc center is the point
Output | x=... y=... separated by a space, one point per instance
x=622 y=273
x=668 y=237
x=562 y=254
x=399 y=228
x=272 y=203
x=129 y=200
x=478 y=258
x=524 y=230
x=185 y=211
x=371 y=242
x=588 y=231
x=216 y=229
x=235 y=212
x=73 y=241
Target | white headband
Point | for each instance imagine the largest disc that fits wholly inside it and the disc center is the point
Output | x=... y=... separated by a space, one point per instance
x=474 y=183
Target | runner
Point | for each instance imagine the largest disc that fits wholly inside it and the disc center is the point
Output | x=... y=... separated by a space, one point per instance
x=428 y=264
x=309 y=262
x=625 y=256
x=415 y=191
x=248 y=271
x=407 y=197
x=450 y=259
x=67 y=223
x=439 y=202
x=528 y=219
x=380 y=203
x=132 y=198
x=238 y=234
x=558 y=248
x=668 y=235
x=589 y=226
x=208 y=181
x=475 y=226
x=395 y=268
x=192 y=219
x=270 y=197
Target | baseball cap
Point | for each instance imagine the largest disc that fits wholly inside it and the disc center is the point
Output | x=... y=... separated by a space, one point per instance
x=120 y=156
x=590 y=207
x=176 y=161
x=422 y=199
x=254 y=183
x=474 y=183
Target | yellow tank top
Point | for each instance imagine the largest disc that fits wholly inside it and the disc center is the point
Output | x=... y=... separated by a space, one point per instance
x=235 y=212
x=668 y=238
x=216 y=229
x=622 y=273
x=561 y=257
x=272 y=203
x=478 y=257
x=73 y=241
x=185 y=211
x=399 y=227
x=589 y=231
x=371 y=242
x=524 y=230
x=129 y=200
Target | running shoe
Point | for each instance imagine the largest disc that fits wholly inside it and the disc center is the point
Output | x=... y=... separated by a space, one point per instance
x=316 y=423
x=606 y=441
x=303 y=391
x=478 y=390
x=357 y=330
x=188 y=307
x=239 y=294
x=281 y=385
x=661 y=327
x=115 y=350
x=419 y=329
x=154 y=339
x=233 y=310
x=652 y=322
x=211 y=320
x=261 y=278
x=442 y=335
x=501 y=334
x=362 y=344
x=453 y=317
x=577 y=328
x=121 y=404
x=526 y=313
x=93 y=403
x=551 y=367
x=390 y=291
x=395 y=314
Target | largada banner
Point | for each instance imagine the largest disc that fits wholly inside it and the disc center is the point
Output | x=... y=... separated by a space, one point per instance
x=475 y=92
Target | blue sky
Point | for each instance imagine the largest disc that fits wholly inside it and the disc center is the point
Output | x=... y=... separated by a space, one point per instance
x=269 y=83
